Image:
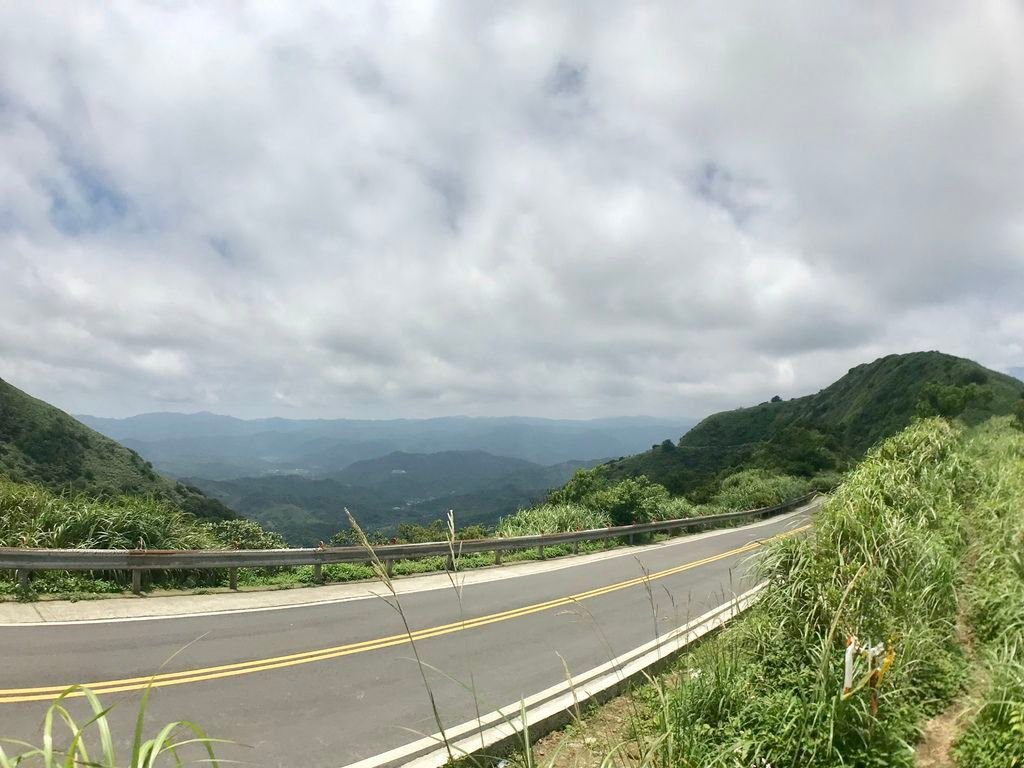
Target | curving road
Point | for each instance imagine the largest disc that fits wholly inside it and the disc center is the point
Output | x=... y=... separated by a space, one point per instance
x=332 y=684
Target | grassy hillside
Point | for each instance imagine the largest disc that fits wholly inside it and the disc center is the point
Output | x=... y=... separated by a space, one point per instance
x=917 y=556
x=829 y=430
x=43 y=445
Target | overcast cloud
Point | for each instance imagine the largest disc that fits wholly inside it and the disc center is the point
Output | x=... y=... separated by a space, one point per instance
x=557 y=209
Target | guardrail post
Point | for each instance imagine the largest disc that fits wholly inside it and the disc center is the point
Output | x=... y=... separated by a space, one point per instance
x=136 y=581
x=449 y=563
x=23 y=576
x=575 y=547
x=540 y=552
x=233 y=578
x=497 y=557
x=318 y=572
x=389 y=567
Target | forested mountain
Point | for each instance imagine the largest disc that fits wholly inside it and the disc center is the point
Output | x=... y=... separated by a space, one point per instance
x=41 y=444
x=827 y=430
x=386 y=492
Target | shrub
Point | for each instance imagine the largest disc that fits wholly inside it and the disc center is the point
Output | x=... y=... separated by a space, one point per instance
x=754 y=488
x=633 y=500
x=674 y=508
x=245 y=534
x=552 y=518
x=1018 y=414
x=581 y=487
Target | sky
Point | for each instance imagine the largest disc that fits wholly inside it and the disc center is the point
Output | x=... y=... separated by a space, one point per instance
x=562 y=209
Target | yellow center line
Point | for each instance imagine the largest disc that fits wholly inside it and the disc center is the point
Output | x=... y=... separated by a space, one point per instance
x=45 y=693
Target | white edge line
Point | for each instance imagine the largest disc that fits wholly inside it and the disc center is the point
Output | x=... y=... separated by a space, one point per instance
x=497 y=726
x=569 y=562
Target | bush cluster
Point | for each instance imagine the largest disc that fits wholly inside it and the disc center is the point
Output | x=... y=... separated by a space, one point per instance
x=754 y=488
x=591 y=500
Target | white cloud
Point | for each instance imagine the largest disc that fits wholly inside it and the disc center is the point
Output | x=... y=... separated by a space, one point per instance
x=393 y=209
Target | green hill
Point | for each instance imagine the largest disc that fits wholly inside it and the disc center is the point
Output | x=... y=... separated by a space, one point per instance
x=828 y=430
x=387 y=492
x=41 y=444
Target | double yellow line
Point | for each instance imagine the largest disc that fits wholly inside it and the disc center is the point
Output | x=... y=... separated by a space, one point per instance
x=46 y=693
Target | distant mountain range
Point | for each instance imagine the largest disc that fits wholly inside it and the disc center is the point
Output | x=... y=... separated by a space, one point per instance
x=219 y=447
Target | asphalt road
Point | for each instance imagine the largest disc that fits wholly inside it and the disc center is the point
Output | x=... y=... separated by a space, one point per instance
x=326 y=685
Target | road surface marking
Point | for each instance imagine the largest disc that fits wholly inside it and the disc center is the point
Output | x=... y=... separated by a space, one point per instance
x=46 y=693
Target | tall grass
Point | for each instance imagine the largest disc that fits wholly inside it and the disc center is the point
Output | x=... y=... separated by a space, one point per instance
x=753 y=488
x=881 y=566
x=552 y=518
x=31 y=516
x=994 y=734
x=171 y=744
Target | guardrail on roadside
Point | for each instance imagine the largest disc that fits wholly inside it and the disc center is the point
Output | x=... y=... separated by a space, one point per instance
x=26 y=561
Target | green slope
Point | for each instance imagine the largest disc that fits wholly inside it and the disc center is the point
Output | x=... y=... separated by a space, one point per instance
x=827 y=430
x=41 y=444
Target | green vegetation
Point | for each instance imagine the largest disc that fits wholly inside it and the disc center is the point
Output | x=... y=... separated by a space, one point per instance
x=829 y=431
x=41 y=444
x=176 y=743
x=753 y=488
x=552 y=518
x=306 y=511
x=34 y=516
x=592 y=499
x=918 y=550
x=994 y=737
x=629 y=501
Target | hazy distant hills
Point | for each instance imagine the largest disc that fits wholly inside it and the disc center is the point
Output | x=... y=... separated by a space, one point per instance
x=222 y=447
x=393 y=489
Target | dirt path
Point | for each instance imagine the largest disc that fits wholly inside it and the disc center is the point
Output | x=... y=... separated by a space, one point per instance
x=941 y=731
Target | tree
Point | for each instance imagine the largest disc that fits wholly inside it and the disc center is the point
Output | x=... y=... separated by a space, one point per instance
x=633 y=500
x=668 y=445
x=1018 y=414
x=776 y=399
x=580 y=487
x=949 y=400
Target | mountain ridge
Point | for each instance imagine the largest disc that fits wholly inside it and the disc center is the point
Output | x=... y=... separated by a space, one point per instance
x=826 y=430
x=41 y=444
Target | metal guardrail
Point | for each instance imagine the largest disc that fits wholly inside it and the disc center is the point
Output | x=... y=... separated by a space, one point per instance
x=26 y=561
